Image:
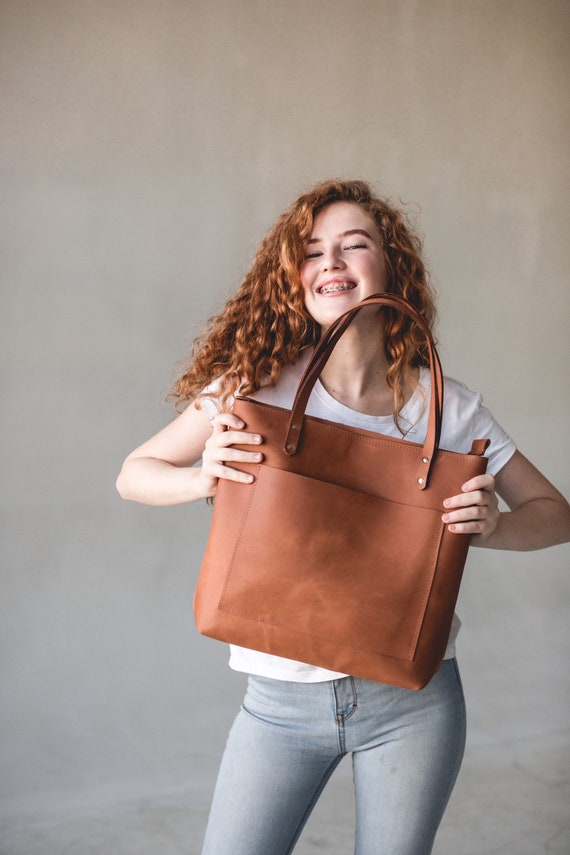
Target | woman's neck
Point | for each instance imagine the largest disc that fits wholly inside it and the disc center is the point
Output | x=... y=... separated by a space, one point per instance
x=355 y=373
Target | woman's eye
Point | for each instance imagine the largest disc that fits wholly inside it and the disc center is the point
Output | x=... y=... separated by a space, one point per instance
x=317 y=253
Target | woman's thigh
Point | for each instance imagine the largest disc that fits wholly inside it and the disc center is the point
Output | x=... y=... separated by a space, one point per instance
x=405 y=775
x=280 y=753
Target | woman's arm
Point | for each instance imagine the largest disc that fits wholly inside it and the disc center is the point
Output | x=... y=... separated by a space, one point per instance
x=538 y=515
x=162 y=470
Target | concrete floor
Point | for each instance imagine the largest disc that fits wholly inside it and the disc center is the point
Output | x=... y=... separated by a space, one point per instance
x=511 y=799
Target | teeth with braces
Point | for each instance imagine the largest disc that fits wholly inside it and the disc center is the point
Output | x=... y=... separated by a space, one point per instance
x=336 y=286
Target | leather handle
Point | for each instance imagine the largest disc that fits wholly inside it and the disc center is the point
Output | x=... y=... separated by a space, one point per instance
x=322 y=353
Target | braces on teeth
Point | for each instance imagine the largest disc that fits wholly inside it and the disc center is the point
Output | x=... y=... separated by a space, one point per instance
x=346 y=286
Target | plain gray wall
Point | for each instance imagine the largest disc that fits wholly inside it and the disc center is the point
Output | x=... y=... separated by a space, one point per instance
x=147 y=147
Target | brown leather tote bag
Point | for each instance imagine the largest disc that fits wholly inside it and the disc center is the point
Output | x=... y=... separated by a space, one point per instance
x=336 y=554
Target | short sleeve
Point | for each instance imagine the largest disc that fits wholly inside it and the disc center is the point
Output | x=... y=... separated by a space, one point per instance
x=466 y=418
x=502 y=447
x=209 y=401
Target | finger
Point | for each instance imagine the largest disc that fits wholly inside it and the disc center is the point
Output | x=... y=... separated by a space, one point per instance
x=228 y=473
x=473 y=527
x=225 y=421
x=479 y=482
x=245 y=438
x=470 y=514
x=232 y=445
x=465 y=500
x=229 y=436
x=236 y=455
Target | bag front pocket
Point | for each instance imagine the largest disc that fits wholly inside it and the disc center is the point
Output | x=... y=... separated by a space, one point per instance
x=385 y=555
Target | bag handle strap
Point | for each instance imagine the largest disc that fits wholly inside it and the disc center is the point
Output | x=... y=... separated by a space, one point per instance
x=321 y=355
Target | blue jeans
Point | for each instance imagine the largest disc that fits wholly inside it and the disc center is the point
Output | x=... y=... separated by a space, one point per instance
x=289 y=737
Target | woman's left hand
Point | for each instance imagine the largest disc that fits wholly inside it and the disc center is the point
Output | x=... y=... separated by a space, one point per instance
x=475 y=510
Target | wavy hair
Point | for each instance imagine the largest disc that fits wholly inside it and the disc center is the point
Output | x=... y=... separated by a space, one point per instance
x=265 y=324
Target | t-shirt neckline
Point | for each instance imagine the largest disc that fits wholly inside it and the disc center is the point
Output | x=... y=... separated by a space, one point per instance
x=409 y=414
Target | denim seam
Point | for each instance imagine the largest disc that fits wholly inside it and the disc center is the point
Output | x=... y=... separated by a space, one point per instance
x=342 y=718
x=355 y=701
x=312 y=802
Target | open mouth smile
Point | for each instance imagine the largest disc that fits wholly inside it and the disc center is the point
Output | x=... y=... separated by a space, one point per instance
x=335 y=286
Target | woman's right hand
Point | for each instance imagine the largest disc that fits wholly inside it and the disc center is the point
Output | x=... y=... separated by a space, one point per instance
x=219 y=453
x=162 y=470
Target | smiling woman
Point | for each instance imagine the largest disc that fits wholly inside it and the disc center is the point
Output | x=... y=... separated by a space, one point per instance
x=333 y=247
x=266 y=325
x=344 y=262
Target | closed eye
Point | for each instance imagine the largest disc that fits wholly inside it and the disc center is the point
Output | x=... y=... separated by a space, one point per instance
x=318 y=253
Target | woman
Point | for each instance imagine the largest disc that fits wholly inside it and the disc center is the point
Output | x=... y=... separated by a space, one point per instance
x=332 y=248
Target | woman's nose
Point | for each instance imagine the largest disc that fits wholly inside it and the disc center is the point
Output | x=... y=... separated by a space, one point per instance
x=332 y=260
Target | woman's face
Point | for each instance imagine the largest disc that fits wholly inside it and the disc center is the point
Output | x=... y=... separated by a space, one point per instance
x=344 y=262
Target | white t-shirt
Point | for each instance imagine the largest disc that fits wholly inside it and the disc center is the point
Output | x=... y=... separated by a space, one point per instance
x=464 y=419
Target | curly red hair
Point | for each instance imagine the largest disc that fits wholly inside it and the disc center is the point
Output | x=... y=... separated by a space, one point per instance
x=265 y=324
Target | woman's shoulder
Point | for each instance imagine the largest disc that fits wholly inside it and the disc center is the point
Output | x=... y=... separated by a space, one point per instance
x=455 y=393
x=282 y=394
x=456 y=390
x=453 y=388
x=465 y=418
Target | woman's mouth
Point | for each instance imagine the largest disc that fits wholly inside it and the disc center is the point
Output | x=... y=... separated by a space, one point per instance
x=334 y=286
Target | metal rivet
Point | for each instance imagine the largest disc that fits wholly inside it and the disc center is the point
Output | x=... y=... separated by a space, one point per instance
x=420 y=480
x=425 y=459
x=289 y=446
x=294 y=427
